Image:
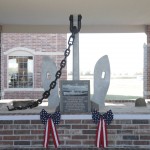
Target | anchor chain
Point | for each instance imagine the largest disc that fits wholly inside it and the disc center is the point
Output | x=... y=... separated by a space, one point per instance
x=52 y=85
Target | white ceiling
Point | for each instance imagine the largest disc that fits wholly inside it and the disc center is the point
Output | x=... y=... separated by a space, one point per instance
x=95 y=13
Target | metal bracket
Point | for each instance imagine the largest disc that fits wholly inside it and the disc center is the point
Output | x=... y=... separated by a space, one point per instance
x=74 y=29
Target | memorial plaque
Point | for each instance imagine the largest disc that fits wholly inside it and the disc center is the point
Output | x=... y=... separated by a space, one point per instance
x=75 y=96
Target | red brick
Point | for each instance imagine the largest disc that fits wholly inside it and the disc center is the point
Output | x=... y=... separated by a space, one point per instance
x=93 y=137
x=64 y=127
x=6 y=122
x=142 y=131
x=28 y=126
x=125 y=131
x=79 y=126
x=5 y=132
x=130 y=137
x=22 y=121
x=6 y=143
x=36 y=122
x=89 y=131
x=94 y=126
x=37 y=142
x=21 y=142
x=111 y=131
x=141 y=142
x=89 y=142
x=60 y=131
x=122 y=121
x=29 y=138
x=145 y=137
x=128 y=126
x=111 y=143
x=11 y=137
x=72 y=121
x=62 y=122
x=114 y=127
x=22 y=132
x=41 y=127
x=87 y=121
x=80 y=137
x=140 y=121
x=73 y=132
x=73 y=142
x=64 y=137
x=12 y=127
x=144 y=127
x=37 y=131
x=124 y=142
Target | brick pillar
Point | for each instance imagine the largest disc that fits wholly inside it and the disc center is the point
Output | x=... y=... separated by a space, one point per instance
x=147 y=65
x=0 y=59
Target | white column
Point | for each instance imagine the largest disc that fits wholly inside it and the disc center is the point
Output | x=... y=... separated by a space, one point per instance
x=0 y=59
x=76 y=72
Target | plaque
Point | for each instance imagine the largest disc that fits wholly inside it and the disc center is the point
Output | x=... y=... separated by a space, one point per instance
x=75 y=96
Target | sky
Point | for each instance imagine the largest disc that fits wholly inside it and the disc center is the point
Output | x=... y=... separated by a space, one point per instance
x=125 y=51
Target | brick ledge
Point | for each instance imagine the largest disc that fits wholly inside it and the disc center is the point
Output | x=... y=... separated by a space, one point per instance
x=76 y=117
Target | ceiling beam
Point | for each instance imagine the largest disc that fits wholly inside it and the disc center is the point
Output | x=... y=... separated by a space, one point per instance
x=66 y=29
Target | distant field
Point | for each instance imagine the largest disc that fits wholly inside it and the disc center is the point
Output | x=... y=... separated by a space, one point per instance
x=121 y=97
x=125 y=89
x=120 y=89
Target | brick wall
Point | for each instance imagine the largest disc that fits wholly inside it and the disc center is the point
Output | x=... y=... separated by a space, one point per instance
x=75 y=134
x=39 y=43
x=0 y=60
x=147 y=65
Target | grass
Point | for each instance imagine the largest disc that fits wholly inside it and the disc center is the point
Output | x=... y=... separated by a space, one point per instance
x=121 y=97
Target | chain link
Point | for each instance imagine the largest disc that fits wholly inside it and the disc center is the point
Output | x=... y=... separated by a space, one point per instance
x=52 y=85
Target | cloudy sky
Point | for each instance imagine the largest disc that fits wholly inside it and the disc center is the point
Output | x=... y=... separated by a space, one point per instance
x=125 y=51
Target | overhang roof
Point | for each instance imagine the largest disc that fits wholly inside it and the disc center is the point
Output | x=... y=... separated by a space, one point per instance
x=53 y=15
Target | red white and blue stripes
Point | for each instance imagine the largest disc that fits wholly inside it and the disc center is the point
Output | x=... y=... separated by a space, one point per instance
x=50 y=128
x=50 y=120
x=101 y=134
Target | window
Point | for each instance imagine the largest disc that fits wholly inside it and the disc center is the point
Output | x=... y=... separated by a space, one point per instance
x=20 y=71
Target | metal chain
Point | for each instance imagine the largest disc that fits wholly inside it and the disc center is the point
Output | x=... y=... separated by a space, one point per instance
x=52 y=85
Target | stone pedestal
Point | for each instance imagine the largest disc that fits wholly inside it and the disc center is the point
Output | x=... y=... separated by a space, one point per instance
x=48 y=75
x=101 y=80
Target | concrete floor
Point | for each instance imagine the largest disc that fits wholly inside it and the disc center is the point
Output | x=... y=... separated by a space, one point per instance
x=117 y=108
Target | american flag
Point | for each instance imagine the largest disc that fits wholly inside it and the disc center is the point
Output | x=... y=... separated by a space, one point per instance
x=44 y=116
x=102 y=120
x=50 y=120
